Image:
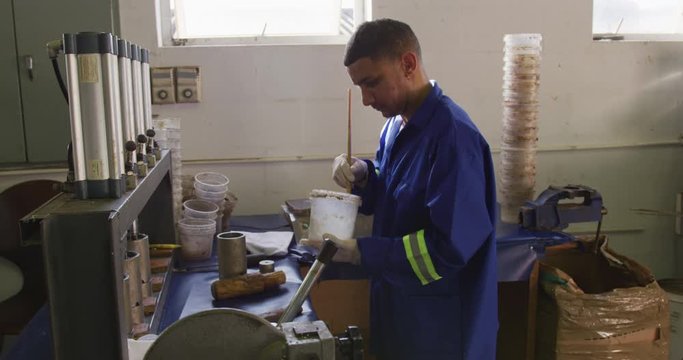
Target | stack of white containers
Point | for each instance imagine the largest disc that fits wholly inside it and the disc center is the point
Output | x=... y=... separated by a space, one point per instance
x=521 y=80
x=168 y=138
x=212 y=187
x=197 y=229
x=202 y=217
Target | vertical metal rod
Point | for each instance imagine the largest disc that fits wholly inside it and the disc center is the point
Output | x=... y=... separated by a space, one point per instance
x=127 y=110
x=134 y=229
x=136 y=69
x=92 y=111
x=112 y=102
x=326 y=253
x=77 y=146
x=146 y=89
x=348 y=140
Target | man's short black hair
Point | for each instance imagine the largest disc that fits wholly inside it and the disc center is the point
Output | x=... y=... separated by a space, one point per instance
x=382 y=38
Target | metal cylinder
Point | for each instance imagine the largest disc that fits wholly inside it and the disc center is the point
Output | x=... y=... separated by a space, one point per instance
x=77 y=147
x=140 y=244
x=232 y=254
x=126 y=89
x=266 y=266
x=138 y=108
x=135 y=287
x=126 y=305
x=146 y=88
x=112 y=106
x=94 y=103
x=92 y=112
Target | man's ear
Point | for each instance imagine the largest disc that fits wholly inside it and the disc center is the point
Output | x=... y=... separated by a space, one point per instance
x=409 y=63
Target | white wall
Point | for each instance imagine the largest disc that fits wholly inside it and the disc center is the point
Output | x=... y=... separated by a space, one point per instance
x=610 y=112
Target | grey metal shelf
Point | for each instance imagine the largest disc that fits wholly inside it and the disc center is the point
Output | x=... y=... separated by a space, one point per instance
x=83 y=244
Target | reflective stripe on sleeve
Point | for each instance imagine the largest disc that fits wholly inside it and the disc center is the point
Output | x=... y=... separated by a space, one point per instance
x=418 y=257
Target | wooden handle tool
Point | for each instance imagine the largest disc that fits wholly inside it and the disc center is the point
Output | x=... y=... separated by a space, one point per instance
x=246 y=284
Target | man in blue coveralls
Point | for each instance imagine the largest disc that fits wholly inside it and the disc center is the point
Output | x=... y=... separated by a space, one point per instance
x=431 y=256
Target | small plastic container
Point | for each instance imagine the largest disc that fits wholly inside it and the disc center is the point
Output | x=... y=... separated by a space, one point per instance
x=523 y=41
x=198 y=208
x=334 y=213
x=196 y=238
x=212 y=196
x=211 y=181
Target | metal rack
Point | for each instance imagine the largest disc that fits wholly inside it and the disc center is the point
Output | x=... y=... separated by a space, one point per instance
x=83 y=245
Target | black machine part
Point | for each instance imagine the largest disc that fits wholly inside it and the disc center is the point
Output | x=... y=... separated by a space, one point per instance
x=350 y=344
x=550 y=211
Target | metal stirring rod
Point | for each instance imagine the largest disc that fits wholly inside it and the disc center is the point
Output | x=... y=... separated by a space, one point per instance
x=326 y=253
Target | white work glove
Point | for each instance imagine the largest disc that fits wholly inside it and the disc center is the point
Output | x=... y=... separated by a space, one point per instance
x=345 y=175
x=347 y=249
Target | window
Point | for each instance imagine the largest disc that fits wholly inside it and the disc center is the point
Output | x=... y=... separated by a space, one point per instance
x=638 y=19
x=231 y=22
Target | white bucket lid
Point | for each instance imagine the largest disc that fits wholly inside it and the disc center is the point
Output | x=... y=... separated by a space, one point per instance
x=350 y=198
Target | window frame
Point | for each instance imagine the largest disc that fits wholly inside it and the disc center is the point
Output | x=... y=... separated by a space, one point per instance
x=166 y=31
x=632 y=37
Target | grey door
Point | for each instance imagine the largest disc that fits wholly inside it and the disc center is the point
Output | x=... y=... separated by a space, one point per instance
x=45 y=111
x=12 y=148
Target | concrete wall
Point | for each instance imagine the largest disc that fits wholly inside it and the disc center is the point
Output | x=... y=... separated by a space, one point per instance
x=273 y=117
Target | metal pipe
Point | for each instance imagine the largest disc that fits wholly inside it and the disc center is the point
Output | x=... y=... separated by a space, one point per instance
x=127 y=308
x=93 y=115
x=126 y=88
x=136 y=68
x=78 y=151
x=140 y=244
x=112 y=105
x=146 y=89
x=132 y=267
x=326 y=253
x=134 y=229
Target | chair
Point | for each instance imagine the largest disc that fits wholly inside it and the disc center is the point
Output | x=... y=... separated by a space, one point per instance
x=16 y=202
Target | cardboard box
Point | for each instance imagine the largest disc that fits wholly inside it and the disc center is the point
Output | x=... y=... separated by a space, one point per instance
x=597 y=304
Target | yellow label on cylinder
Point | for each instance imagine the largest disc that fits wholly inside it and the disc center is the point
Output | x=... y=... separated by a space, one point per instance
x=88 y=66
x=96 y=170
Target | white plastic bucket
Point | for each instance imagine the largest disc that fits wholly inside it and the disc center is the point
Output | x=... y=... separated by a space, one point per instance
x=674 y=289
x=332 y=213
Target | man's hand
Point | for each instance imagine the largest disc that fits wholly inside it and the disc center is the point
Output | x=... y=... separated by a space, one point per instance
x=345 y=174
x=347 y=249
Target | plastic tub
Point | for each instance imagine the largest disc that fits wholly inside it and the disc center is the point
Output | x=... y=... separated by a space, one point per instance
x=198 y=208
x=208 y=195
x=187 y=215
x=334 y=213
x=196 y=238
x=211 y=181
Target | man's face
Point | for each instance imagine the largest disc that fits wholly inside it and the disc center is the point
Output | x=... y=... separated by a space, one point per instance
x=382 y=84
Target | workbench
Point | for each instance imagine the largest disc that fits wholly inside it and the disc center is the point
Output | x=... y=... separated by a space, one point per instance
x=186 y=292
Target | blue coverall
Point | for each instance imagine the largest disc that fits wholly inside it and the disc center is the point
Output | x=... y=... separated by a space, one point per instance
x=431 y=256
